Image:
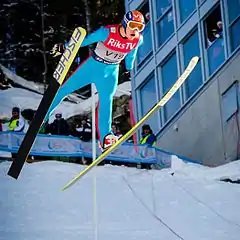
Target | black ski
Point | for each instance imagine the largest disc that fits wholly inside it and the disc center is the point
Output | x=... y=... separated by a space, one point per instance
x=59 y=75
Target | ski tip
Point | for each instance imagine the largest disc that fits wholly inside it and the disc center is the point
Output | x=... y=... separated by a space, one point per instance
x=196 y=58
x=64 y=188
x=83 y=30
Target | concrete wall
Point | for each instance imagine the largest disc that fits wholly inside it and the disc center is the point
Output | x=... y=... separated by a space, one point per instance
x=199 y=131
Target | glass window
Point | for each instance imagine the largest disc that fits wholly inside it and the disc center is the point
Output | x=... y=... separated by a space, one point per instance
x=186 y=7
x=229 y=102
x=213 y=26
x=165 y=28
x=234 y=22
x=191 y=49
x=215 y=55
x=146 y=48
x=162 y=6
x=214 y=39
x=233 y=9
x=235 y=35
x=169 y=77
x=148 y=97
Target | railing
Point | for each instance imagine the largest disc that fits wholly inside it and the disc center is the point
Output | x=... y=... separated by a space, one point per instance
x=67 y=146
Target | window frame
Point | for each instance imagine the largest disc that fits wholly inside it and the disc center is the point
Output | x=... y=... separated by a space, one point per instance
x=159 y=19
x=141 y=113
x=205 y=35
x=227 y=118
x=164 y=118
x=179 y=21
x=194 y=30
x=138 y=64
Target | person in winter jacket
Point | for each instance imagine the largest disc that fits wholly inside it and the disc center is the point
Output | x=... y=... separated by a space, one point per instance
x=115 y=130
x=84 y=130
x=147 y=136
x=16 y=123
x=59 y=126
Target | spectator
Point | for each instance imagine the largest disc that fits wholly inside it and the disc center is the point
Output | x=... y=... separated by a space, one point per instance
x=16 y=123
x=84 y=130
x=220 y=28
x=59 y=126
x=147 y=136
x=149 y=139
x=217 y=33
x=115 y=130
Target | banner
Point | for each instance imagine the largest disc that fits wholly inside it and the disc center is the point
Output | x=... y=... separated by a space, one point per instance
x=52 y=145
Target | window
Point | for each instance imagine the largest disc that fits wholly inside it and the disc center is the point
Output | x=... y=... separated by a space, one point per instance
x=148 y=98
x=214 y=40
x=234 y=22
x=169 y=76
x=191 y=49
x=215 y=55
x=165 y=25
x=229 y=102
x=213 y=26
x=233 y=10
x=235 y=36
x=162 y=6
x=186 y=7
x=165 y=28
x=145 y=49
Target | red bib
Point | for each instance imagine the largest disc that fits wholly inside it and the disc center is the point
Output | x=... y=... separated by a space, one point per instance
x=117 y=43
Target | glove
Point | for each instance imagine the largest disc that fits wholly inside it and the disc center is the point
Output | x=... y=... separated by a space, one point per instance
x=126 y=74
x=58 y=49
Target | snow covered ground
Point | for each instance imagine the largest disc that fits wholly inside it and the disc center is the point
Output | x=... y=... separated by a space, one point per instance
x=128 y=203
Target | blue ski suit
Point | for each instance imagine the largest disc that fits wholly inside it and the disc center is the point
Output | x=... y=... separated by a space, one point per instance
x=102 y=69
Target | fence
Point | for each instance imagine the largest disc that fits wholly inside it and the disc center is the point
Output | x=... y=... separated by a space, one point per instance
x=52 y=145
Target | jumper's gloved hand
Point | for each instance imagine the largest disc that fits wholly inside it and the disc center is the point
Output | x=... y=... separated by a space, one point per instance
x=126 y=74
x=58 y=49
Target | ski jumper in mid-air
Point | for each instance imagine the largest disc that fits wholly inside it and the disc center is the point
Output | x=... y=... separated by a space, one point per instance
x=114 y=44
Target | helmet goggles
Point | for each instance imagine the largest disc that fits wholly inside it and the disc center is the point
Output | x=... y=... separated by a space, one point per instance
x=136 y=26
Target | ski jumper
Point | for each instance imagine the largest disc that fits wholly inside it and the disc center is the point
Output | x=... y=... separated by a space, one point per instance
x=102 y=69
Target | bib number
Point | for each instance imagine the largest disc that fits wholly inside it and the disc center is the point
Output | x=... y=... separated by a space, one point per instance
x=114 y=55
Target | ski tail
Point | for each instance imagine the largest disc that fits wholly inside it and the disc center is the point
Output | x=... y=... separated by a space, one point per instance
x=59 y=76
x=193 y=62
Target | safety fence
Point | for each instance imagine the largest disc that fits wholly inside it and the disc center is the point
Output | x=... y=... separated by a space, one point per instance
x=67 y=146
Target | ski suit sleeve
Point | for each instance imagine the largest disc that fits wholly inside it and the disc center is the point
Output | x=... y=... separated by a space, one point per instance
x=99 y=35
x=131 y=56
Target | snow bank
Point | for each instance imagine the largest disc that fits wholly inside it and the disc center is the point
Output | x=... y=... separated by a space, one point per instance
x=228 y=171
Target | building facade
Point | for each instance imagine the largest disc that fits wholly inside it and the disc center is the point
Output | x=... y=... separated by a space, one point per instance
x=201 y=120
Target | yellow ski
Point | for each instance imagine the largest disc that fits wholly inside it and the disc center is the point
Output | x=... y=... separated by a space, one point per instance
x=161 y=103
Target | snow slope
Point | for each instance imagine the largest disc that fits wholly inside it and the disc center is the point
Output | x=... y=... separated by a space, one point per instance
x=130 y=203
